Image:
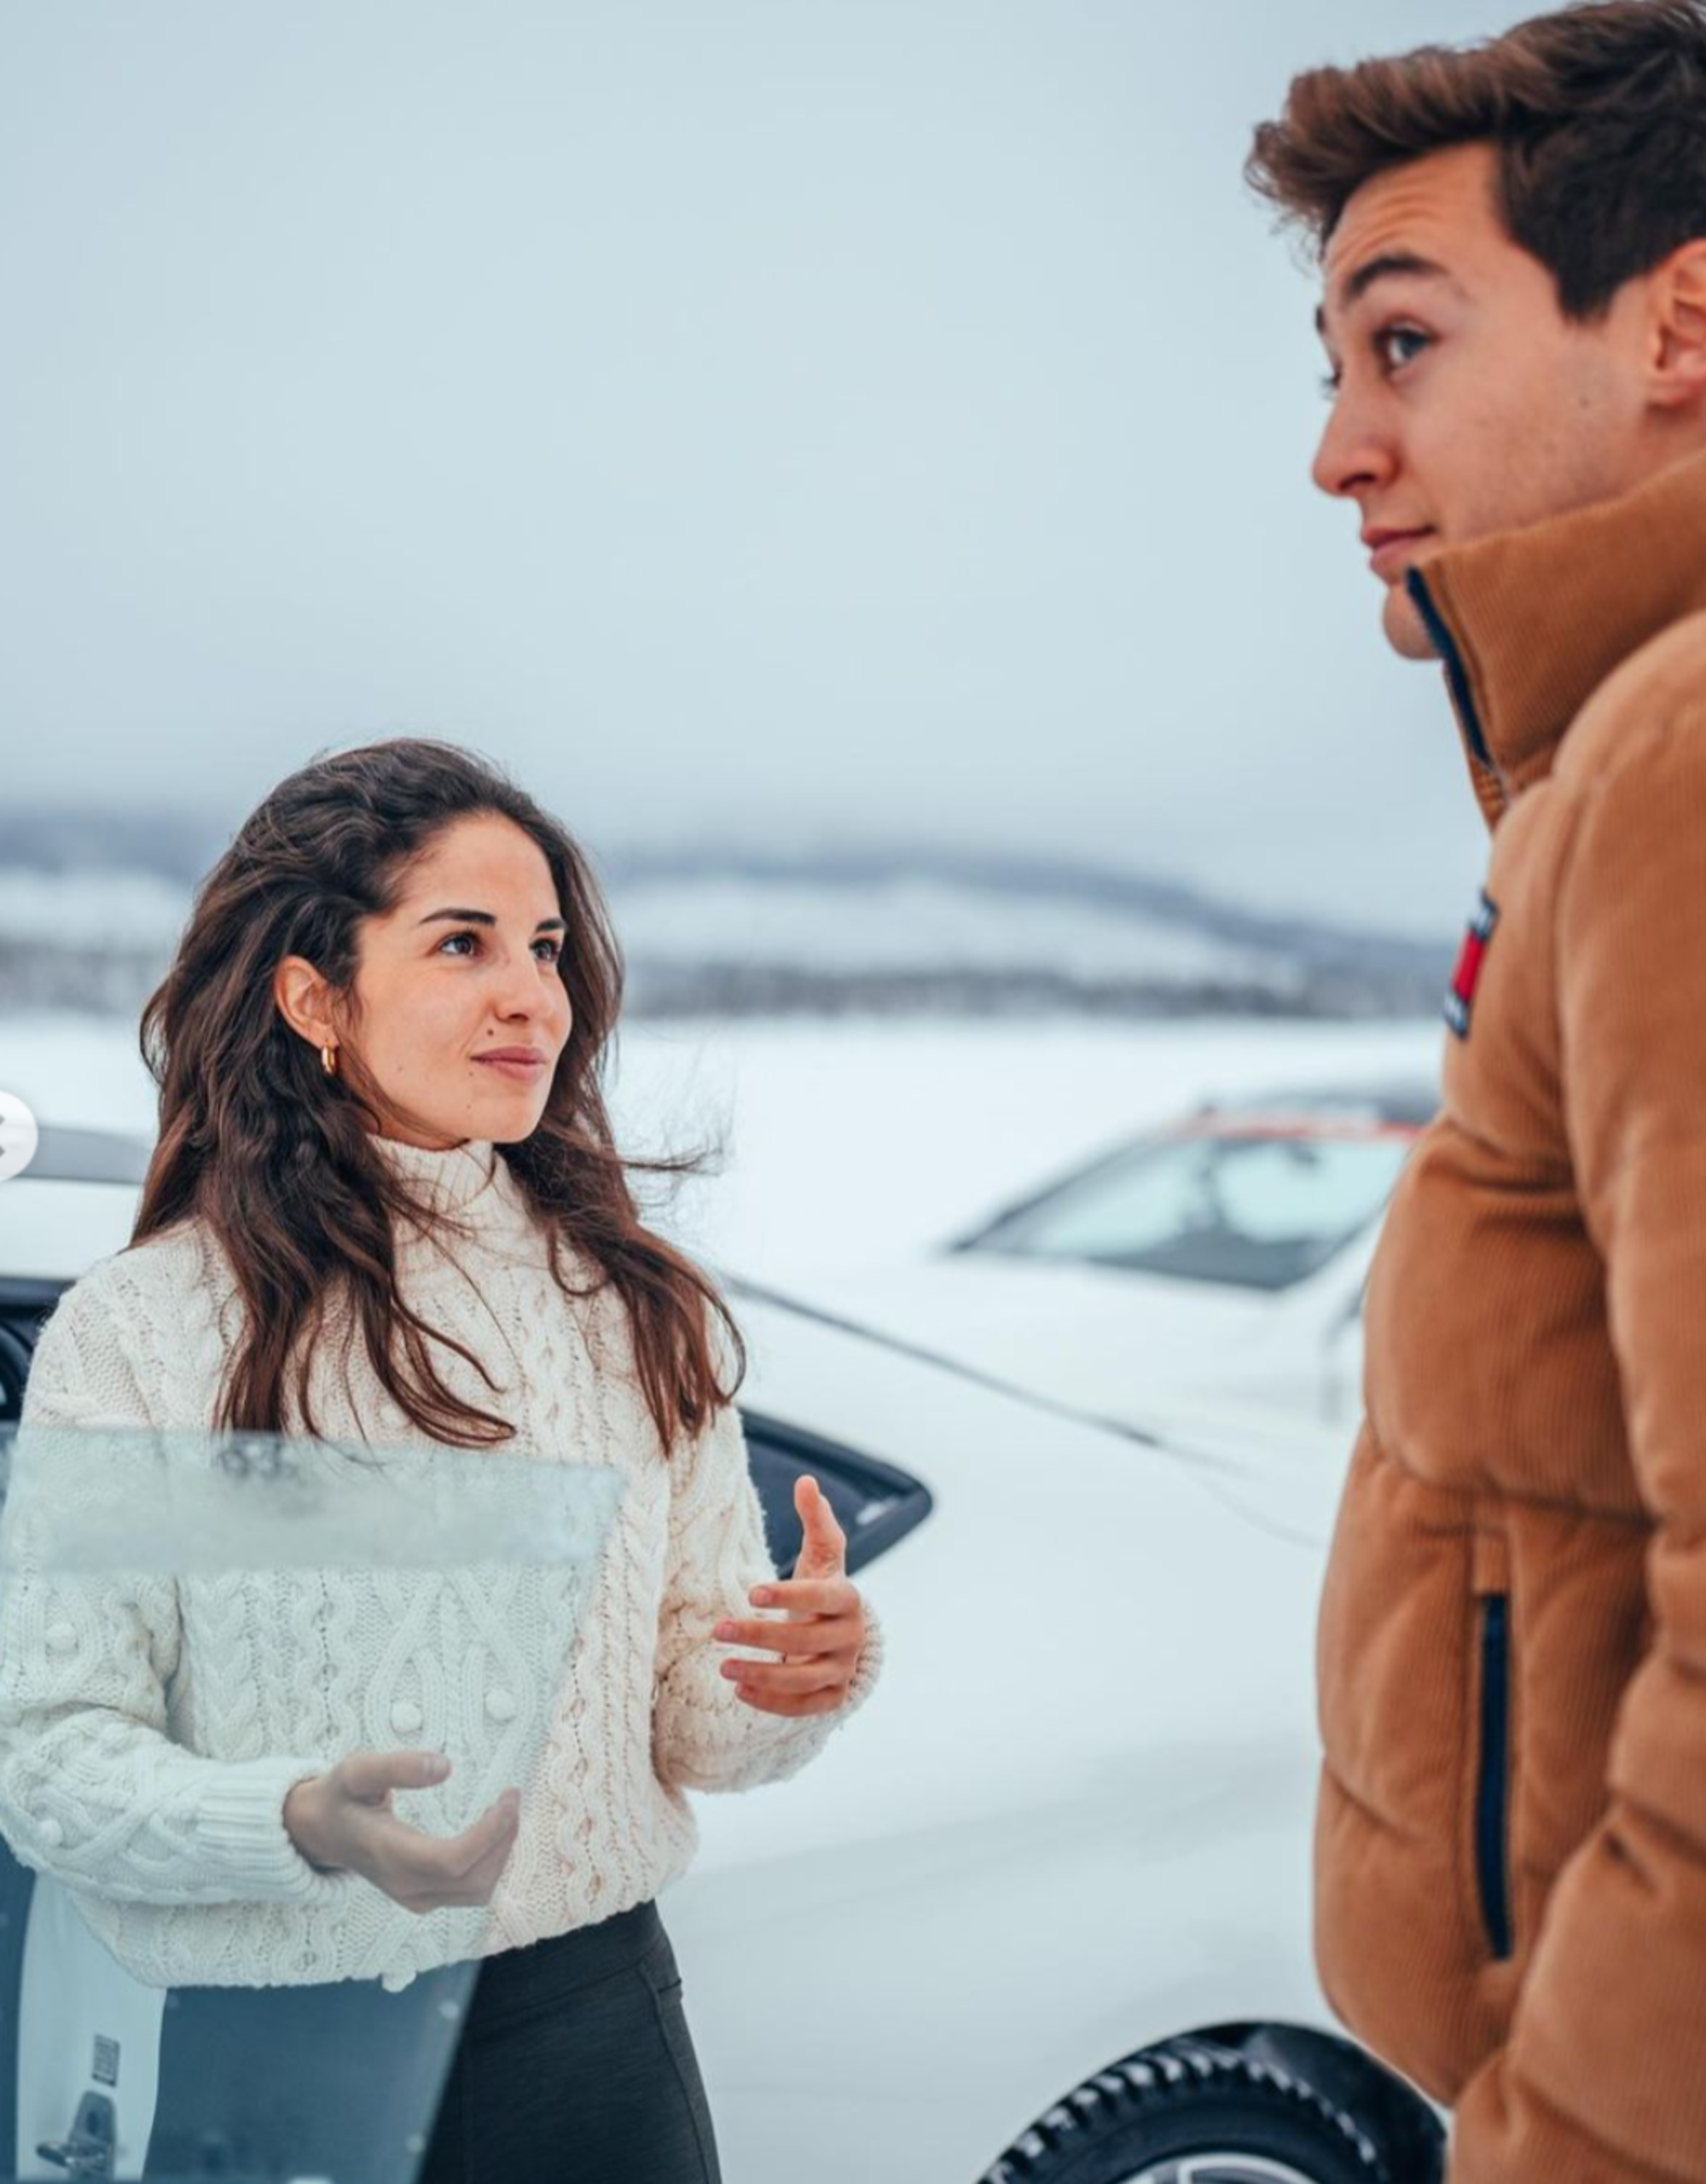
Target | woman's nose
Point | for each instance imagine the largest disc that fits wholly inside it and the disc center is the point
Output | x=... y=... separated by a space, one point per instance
x=520 y=986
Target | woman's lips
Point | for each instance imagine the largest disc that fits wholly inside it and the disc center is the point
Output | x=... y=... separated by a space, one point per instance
x=522 y=1072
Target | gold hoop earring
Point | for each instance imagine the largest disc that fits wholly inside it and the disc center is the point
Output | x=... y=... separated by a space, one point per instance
x=328 y=1060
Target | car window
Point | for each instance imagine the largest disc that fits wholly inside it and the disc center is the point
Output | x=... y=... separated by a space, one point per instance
x=1255 y=1208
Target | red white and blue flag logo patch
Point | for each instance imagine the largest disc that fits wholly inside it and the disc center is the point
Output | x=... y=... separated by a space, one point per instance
x=1459 y=1003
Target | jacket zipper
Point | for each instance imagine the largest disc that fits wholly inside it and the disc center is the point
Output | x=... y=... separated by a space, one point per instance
x=1492 y=1787
x=1457 y=677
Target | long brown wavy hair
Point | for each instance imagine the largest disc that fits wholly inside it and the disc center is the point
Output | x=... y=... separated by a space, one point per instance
x=277 y=1157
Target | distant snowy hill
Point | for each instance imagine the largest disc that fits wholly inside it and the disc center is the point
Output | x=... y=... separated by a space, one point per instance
x=899 y=930
x=91 y=906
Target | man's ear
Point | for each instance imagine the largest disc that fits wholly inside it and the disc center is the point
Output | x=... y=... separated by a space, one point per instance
x=1676 y=361
x=302 y=997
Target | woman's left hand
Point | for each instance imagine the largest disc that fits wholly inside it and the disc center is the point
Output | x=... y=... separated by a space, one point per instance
x=820 y=1639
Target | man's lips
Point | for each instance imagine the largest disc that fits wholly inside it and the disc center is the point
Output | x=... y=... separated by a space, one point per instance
x=1387 y=547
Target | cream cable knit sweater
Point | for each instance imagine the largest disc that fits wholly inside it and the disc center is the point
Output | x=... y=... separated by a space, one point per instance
x=150 y=1729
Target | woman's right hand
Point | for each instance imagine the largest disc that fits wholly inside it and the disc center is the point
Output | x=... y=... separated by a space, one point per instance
x=343 y=1821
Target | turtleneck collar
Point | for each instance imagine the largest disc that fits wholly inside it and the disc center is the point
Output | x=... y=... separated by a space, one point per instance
x=474 y=1187
x=450 y=1181
x=1530 y=622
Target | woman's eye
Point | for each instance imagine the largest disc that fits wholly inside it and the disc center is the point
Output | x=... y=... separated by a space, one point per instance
x=554 y=946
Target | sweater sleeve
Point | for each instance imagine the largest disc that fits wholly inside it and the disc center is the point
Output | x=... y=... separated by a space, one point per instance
x=93 y=1788
x=1600 y=2074
x=703 y=1736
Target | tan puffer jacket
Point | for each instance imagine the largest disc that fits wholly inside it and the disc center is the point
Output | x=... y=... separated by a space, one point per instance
x=1510 y=1845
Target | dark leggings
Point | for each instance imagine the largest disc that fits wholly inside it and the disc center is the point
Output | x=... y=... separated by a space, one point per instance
x=567 y=2062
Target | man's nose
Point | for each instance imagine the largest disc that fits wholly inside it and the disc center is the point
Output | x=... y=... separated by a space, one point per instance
x=1351 y=454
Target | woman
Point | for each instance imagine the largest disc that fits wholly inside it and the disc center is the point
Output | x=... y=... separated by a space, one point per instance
x=385 y=1205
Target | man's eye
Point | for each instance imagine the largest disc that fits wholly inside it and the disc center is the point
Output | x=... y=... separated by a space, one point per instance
x=1389 y=345
x=1393 y=347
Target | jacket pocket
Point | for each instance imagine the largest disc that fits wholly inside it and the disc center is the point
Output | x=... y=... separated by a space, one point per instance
x=1492 y=1773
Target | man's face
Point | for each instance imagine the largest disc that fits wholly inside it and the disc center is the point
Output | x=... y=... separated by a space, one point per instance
x=1465 y=402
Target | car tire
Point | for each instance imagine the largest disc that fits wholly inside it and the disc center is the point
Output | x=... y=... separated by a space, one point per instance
x=1195 y=2111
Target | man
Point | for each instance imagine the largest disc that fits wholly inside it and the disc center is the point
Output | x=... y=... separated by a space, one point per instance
x=1512 y=1833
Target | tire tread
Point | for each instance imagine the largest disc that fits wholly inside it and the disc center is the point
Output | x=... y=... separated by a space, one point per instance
x=1153 y=2080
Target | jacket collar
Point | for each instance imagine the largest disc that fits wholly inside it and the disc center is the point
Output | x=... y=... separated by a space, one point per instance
x=1528 y=622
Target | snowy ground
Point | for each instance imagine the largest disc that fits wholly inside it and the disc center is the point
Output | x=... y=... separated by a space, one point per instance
x=846 y=1143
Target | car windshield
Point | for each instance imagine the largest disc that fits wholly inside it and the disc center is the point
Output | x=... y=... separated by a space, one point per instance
x=1255 y=1205
x=112 y=1540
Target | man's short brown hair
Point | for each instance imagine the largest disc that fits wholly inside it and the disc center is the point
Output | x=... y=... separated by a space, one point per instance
x=1597 y=113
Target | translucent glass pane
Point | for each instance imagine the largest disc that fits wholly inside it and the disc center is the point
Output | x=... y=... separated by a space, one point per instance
x=128 y=1556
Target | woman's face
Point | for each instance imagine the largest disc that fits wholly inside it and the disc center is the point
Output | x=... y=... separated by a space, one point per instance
x=464 y=967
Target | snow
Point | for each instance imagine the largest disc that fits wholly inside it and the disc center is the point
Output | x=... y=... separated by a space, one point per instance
x=90 y=909
x=846 y=1142
x=919 y=925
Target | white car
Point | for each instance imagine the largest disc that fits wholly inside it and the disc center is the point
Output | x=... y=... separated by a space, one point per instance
x=1208 y=1272
x=1039 y=1912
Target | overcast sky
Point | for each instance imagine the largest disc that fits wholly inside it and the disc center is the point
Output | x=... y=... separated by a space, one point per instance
x=793 y=422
